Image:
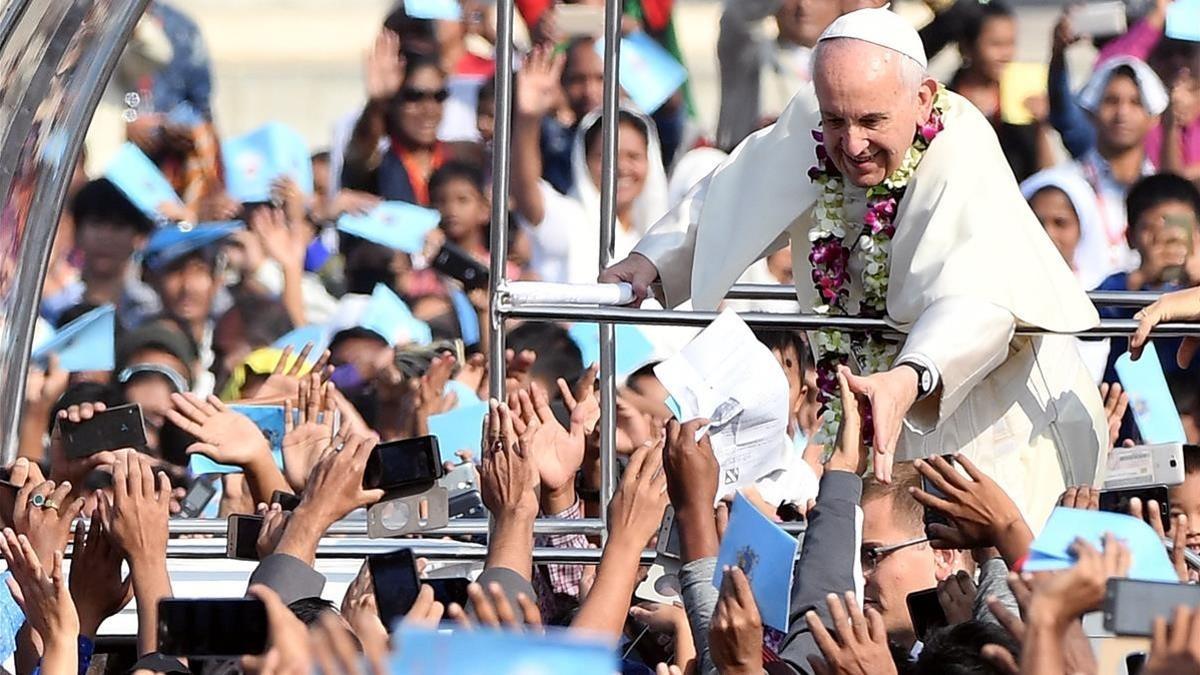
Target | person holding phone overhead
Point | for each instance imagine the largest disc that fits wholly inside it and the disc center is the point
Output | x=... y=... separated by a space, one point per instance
x=912 y=214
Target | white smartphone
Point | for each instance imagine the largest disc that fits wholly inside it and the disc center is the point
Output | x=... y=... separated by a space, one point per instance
x=1144 y=465
x=1099 y=19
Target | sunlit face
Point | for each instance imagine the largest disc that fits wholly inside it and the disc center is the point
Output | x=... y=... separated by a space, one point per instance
x=1163 y=235
x=418 y=110
x=464 y=209
x=187 y=290
x=870 y=111
x=1054 y=209
x=633 y=162
x=1122 y=122
x=995 y=47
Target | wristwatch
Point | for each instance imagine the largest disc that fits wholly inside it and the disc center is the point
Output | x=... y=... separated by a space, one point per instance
x=924 y=379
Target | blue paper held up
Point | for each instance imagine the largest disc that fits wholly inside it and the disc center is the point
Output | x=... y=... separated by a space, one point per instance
x=1150 y=398
x=1051 y=549
x=140 y=180
x=397 y=225
x=459 y=429
x=254 y=160
x=390 y=317
x=634 y=349
x=649 y=74
x=270 y=421
x=423 y=651
x=85 y=344
x=315 y=334
x=766 y=554
x=446 y=10
x=1183 y=20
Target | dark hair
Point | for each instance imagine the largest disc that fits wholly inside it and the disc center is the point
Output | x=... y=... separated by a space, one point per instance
x=980 y=15
x=780 y=340
x=644 y=371
x=557 y=354
x=309 y=610
x=321 y=156
x=456 y=170
x=85 y=392
x=419 y=62
x=1156 y=190
x=955 y=650
x=99 y=201
x=592 y=136
x=366 y=264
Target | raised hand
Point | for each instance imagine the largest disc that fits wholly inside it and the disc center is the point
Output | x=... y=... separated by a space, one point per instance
x=956 y=594
x=1182 y=305
x=42 y=593
x=557 y=453
x=308 y=429
x=1175 y=649
x=493 y=610
x=43 y=512
x=1065 y=596
x=279 y=241
x=1080 y=497
x=136 y=520
x=636 y=510
x=288 y=646
x=75 y=471
x=384 y=71
x=891 y=393
x=858 y=645
x=736 y=631
x=848 y=454
x=539 y=83
x=335 y=486
x=692 y=476
x=1116 y=402
x=275 y=521
x=225 y=435
x=362 y=613
x=508 y=475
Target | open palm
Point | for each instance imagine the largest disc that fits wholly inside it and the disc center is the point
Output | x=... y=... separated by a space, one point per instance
x=557 y=452
x=224 y=435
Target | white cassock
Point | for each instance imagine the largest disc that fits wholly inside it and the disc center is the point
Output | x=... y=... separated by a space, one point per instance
x=969 y=263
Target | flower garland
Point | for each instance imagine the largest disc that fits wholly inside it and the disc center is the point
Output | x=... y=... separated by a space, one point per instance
x=830 y=261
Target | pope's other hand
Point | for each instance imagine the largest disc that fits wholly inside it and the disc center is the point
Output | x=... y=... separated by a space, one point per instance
x=637 y=271
x=891 y=393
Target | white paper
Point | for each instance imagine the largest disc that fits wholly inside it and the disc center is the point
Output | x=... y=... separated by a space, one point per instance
x=727 y=376
x=546 y=293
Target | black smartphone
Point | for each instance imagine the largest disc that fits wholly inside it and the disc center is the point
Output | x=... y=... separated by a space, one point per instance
x=400 y=464
x=448 y=590
x=286 y=500
x=467 y=504
x=113 y=429
x=394 y=576
x=241 y=537
x=933 y=516
x=1117 y=501
x=226 y=628
x=456 y=263
x=173 y=443
x=198 y=496
x=1130 y=606
x=926 y=612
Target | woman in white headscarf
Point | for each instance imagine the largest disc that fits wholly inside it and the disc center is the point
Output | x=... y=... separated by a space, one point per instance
x=1066 y=205
x=566 y=236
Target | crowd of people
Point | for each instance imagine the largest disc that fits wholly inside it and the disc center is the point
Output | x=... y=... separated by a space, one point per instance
x=222 y=303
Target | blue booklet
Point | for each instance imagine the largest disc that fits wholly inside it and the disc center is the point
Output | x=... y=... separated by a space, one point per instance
x=420 y=651
x=1150 y=398
x=85 y=344
x=397 y=225
x=447 y=10
x=1051 y=549
x=140 y=180
x=1183 y=21
x=270 y=421
x=634 y=349
x=649 y=74
x=256 y=159
x=766 y=554
x=459 y=429
x=390 y=317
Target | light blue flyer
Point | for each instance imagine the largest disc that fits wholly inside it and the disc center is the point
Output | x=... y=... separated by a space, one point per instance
x=84 y=344
x=634 y=349
x=429 y=652
x=140 y=180
x=317 y=335
x=270 y=421
x=447 y=10
x=1183 y=20
x=390 y=317
x=254 y=160
x=1051 y=549
x=459 y=429
x=649 y=74
x=766 y=554
x=397 y=225
x=1150 y=398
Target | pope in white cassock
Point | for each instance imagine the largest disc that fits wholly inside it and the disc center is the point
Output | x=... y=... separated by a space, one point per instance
x=899 y=204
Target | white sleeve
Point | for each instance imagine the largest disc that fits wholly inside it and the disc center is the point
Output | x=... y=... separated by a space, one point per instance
x=562 y=222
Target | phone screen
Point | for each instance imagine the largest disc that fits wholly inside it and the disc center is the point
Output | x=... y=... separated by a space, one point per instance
x=1117 y=501
x=286 y=500
x=1131 y=606
x=394 y=576
x=113 y=429
x=447 y=591
x=457 y=264
x=242 y=537
x=198 y=496
x=227 y=627
x=926 y=612
x=402 y=463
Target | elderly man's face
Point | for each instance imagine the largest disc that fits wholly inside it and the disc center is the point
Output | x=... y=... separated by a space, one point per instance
x=870 y=111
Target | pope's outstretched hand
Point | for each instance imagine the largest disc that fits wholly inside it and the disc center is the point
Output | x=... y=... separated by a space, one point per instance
x=637 y=271
x=890 y=393
x=1183 y=305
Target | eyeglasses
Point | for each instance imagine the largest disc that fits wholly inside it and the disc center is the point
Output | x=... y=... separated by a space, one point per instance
x=872 y=556
x=418 y=95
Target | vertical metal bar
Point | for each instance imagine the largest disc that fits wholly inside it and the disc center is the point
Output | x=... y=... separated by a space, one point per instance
x=608 y=217
x=501 y=153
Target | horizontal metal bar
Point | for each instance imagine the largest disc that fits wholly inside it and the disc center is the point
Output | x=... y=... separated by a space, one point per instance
x=782 y=292
x=464 y=527
x=674 y=317
x=358 y=547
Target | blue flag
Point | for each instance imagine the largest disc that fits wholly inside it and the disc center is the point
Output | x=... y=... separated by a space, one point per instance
x=256 y=159
x=397 y=225
x=140 y=180
x=766 y=554
x=389 y=317
x=87 y=343
x=649 y=74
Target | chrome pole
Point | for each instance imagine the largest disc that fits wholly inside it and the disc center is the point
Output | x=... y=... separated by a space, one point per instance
x=610 y=125
x=501 y=155
x=785 y=293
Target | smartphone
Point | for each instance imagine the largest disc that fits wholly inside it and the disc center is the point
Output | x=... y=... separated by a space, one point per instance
x=668 y=535
x=1117 y=501
x=1145 y=465
x=394 y=576
x=173 y=443
x=400 y=464
x=456 y=263
x=926 y=612
x=241 y=537
x=198 y=496
x=448 y=590
x=467 y=504
x=933 y=516
x=1130 y=606
x=224 y=628
x=1099 y=19
x=286 y=500
x=113 y=429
